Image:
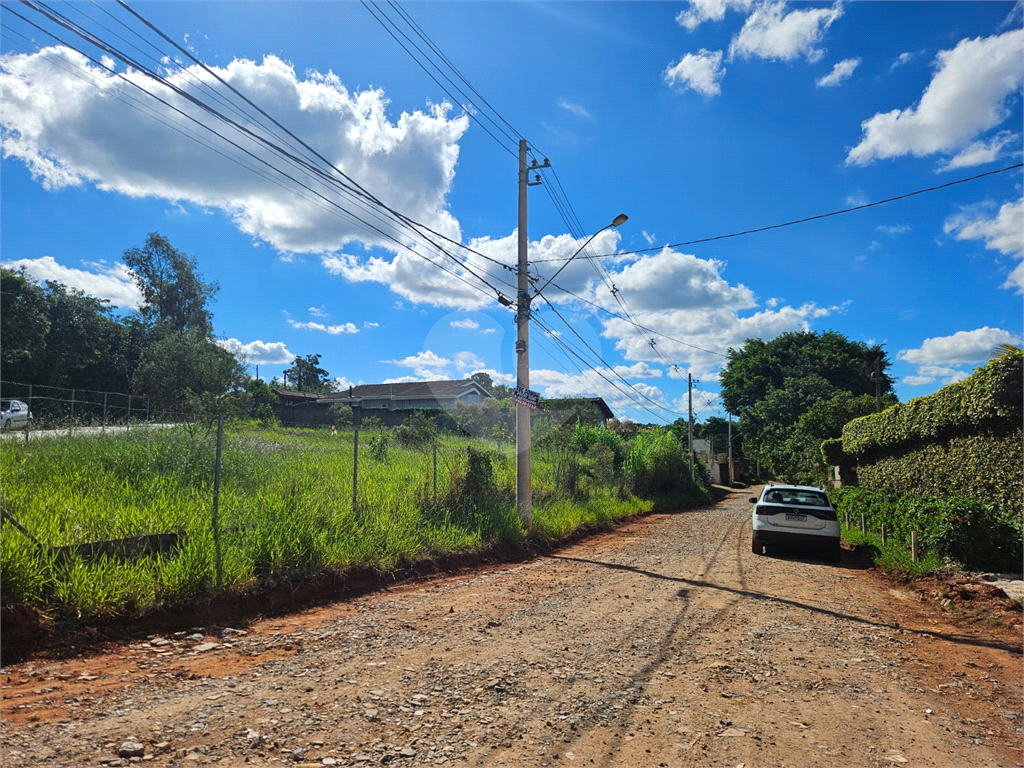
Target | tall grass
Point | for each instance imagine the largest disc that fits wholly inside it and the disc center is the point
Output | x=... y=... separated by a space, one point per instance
x=285 y=511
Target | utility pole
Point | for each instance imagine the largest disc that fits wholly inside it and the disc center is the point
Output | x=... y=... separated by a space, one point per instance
x=878 y=385
x=524 y=486
x=689 y=389
x=731 y=477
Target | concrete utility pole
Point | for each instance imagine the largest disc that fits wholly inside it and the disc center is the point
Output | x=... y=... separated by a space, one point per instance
x=731 y=477
x=524 y=486
x=689 y=389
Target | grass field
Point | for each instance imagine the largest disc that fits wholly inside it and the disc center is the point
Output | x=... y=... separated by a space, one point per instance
x=285 y=510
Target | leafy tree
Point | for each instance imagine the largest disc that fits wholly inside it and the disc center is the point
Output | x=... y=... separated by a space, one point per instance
x=797 y=390
x=176 y=369
x=498 y=391
x=25 y=323
x=306 y=375
x=174 y=294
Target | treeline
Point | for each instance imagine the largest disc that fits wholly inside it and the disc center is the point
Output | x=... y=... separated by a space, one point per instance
x=61 y=337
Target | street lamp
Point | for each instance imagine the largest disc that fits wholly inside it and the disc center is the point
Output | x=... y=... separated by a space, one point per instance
x=617 y=221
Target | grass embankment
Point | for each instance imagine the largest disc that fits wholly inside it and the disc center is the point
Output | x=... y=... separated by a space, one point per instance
x=285 y=511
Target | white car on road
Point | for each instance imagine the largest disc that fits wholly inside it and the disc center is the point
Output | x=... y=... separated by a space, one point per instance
x=795 y=514
x=14 y=413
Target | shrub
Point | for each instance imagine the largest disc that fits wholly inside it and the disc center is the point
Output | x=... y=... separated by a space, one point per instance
x=964 y=531
x=265 y=414
x=417 y=431
x=655 y=465
x=379 y=445
x=342 y=415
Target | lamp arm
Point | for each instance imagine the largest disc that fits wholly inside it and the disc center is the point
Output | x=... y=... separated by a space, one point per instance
x=566 y=264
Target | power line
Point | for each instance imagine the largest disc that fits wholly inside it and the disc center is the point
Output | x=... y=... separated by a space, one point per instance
x=91 y=38
x=805 y=219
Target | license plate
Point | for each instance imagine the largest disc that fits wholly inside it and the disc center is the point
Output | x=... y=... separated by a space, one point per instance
x=801 y=518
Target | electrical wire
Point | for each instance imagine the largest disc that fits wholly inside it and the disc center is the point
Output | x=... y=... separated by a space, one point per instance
x=803 y=220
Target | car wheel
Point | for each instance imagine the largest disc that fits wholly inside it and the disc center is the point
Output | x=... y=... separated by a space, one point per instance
x=6 y=426
x=756 y=547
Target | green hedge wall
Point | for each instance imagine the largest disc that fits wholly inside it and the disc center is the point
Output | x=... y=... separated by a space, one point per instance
x=986 y=467
x=833 y=454
x=989 y=401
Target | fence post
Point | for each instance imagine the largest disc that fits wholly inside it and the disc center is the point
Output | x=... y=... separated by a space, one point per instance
x=147 y=408
x=29 y=425
x=355 y=469
x=847 y=518
x=913 y=545
x=71 y=421
x=883 y=534
x=104 y=428
x=128 y=423
x=435 y=474
x=863 y=523
x=216 y=502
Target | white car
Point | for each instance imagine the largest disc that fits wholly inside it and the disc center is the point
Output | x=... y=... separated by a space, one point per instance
x=14 y=413
x=795 y=514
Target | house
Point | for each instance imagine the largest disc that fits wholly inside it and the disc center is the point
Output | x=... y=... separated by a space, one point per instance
x=313 y=409
x=412 y=394
x=590 y=410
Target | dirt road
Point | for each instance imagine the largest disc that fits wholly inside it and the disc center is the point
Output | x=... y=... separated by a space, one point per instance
x=664 y=643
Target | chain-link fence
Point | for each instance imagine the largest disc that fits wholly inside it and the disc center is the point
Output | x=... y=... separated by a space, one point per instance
x=36 y=410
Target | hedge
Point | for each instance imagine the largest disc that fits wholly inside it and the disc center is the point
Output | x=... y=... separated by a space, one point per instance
x=833 y=454
x=967 y=532
x=989 y=400
x=986 y=467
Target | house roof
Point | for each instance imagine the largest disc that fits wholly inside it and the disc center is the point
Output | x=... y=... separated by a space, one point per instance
x=410 y=390
x=598 y=402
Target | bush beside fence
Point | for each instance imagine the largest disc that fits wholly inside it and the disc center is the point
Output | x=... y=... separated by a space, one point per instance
x=962 y=532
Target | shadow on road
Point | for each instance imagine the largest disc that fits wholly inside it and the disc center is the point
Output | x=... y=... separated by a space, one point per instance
x=686 y=594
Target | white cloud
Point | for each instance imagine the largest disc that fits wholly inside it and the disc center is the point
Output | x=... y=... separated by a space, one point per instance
x=962 y=347
x=469 y=324
x=426 y=365
x=318 y=311
x=590 y=383
x=929 y=374
x=841 y=71
x=112 y=282
x=368 y=324
x=966 y=97
x=648 y=237
x=894 y=229
x=904 y=58
x=701 y=72
x=340 y=383
x=485 y=331
x=980 y=152
x=1004 y=233
x=466 y=362
x=71 y=130
x=700 y=11
x=576 y=109
x=638 y=371
x=258 y=352
x=334 y=330
x=770 y=33
x=497 y=377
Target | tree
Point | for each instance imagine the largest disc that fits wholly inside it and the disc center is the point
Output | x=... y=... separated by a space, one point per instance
x=797 y=390
x=174 y=294
x=306 y=375
x=25 y=323
x=498 y=391
x=177 y=369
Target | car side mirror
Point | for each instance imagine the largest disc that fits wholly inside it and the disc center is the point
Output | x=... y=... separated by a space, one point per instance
x=753 y=499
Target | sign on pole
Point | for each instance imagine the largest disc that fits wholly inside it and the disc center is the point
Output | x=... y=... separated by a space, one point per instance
x=526 y=397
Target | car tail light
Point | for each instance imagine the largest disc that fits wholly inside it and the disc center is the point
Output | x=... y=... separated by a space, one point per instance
x=765 y=511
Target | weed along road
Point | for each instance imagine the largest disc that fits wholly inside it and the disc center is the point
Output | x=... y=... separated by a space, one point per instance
x=666 y=642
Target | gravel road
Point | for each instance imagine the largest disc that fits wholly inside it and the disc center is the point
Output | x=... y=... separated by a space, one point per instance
x=666 y=642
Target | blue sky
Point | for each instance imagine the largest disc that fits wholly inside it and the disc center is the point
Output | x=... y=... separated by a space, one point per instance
x=695 y=119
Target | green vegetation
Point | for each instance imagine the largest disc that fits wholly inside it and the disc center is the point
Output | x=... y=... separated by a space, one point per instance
x=961 y=532
x=797 y=390
x=286 y=505
x=988 y=401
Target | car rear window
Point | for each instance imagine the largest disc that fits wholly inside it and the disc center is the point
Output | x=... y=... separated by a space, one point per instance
x=799 y=498
x=5 y=405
